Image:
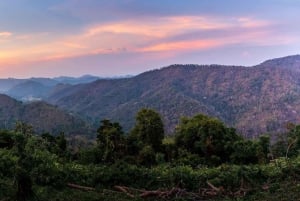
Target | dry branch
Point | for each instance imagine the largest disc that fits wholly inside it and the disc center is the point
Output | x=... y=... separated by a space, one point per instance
x=213 y=187
x=170 y=194
x=151 y=194
x=83 y=188
x=124 y=189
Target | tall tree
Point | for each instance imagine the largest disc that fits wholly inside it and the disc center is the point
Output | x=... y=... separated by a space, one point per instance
x=61 y=142
x=110 y=140
x=24 y=128
x=149 y=129
x=208 y=137
x=22 y=178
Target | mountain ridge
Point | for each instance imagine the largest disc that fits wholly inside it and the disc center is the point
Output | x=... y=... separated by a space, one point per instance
x=255 y=100
x=235 y=94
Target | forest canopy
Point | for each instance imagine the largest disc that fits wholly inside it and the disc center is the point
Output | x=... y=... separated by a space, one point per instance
x=204 y=159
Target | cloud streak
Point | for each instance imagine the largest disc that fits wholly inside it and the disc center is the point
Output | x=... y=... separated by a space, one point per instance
x=5 y=34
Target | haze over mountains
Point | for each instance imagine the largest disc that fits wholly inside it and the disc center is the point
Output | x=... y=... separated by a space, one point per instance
x=255 y=100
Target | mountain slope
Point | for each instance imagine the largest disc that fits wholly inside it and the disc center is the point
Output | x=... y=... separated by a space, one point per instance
x=289 y=63
x=253 y=99
x=42 y=116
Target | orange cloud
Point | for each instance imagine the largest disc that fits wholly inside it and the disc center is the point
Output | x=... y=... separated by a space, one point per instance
x=255 y=37
x=181 y=45
x=161 y=27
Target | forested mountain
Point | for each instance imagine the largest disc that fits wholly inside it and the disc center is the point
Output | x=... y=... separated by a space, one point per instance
x=42 y=116
x=255 y=99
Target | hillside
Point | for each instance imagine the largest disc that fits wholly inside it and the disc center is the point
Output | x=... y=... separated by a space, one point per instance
x=289 y=63
x=253 y=99
x=42 y=116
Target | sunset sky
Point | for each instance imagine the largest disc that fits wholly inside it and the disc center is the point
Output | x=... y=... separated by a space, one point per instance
x=48 y=38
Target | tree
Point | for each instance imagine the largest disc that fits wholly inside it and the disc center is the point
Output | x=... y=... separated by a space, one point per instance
x=149 y=129
x=245 y=152
x=56 y=145
x=110 y=140
x=22 y=178
x=263 y=149
x=147 y=156
x=24 y=128
x=6 y=139
x=293 y=141
x=208 y=137
x=61 y=142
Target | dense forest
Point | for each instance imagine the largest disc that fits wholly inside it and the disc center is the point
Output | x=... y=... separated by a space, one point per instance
x=203 y=160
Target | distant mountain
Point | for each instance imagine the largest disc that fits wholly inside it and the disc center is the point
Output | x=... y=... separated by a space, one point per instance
x=78 y=80
x=43 y=116
x=38 y=88
x=6 y=84
x=255 y=100
x=29 y=90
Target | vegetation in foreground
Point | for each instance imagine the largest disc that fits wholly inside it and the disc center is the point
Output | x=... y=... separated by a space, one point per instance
x=204 y=160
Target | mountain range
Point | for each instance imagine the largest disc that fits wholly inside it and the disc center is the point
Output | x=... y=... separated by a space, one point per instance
x=255 y=100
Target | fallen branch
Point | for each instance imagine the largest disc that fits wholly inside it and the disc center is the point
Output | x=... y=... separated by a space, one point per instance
x=83 y=188
x=124 y=189
x=213 y=187
x=151 y=194
x=170 y=194
x=164 y=194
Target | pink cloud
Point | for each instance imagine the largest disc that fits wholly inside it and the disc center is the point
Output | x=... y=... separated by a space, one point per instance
x=246 y=22
x=5 y=34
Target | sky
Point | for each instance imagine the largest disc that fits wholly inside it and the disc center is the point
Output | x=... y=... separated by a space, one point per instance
x=48 y=38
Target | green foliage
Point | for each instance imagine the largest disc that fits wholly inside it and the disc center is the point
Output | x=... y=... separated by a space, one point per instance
x=278 y=148
x=46 y=169
x=203 y=151
x=244 y=152
x=6 y=139
x=263 y=149
x=293 y=147
x=24 y=128
x=110 y=141
x=89 y=155
x=207 y=137
x=8 y=162
x=147 y=156
x=61 y=142
x=149 y=129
